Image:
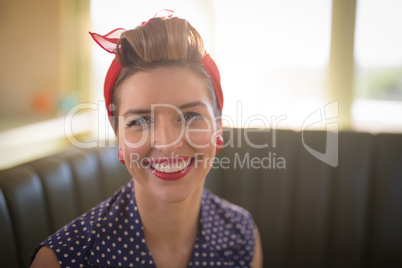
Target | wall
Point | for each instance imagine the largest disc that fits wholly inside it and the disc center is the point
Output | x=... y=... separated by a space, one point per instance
x=44 y=72
x=30 y=62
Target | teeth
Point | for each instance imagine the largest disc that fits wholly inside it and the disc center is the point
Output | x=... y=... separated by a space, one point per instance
x=171 y=168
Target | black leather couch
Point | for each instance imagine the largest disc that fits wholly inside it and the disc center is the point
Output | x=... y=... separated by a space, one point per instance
x=309 y=213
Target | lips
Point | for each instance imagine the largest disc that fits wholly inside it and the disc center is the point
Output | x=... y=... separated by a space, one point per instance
x=171 y=169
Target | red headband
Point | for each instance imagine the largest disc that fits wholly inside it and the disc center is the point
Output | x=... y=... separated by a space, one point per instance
x=109 y=41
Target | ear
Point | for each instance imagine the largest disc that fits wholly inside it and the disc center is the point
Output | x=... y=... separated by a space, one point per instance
x=218 y=135
x=219 y=130
x=108 y=41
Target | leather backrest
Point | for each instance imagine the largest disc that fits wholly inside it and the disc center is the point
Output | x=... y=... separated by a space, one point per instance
x=309 y=213
x=59 y=189
x=38 y=198
x=384 y=237
x=86 y=173
x=112 y=171
x=349 y=200
x=8 y=247
x=26 y=203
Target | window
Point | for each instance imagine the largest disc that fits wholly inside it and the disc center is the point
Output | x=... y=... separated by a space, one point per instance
x=273 y=57
x=378 y=66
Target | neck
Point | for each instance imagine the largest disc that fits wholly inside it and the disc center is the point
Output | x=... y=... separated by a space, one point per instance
x=169 y=225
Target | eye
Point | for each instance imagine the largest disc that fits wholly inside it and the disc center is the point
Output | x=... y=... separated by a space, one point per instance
x=140 y=122
x=192 y=116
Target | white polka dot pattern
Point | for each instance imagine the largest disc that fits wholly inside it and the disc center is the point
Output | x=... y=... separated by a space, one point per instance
x=111 y=235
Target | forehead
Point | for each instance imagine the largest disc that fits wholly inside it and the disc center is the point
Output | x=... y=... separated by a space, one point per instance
x=164 y=85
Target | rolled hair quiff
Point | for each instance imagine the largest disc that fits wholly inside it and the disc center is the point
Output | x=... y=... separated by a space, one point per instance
x=161 y=42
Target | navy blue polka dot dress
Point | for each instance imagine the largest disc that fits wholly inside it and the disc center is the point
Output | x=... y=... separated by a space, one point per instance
x=111 y=235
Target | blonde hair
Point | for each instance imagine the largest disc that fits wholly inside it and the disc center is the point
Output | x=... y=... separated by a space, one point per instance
x=161 y=42
x=161 y=39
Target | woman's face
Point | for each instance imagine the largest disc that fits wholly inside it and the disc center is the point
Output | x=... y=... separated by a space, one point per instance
x=167 y=131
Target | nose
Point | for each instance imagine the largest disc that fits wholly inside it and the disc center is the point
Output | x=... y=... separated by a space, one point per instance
x=167 y=137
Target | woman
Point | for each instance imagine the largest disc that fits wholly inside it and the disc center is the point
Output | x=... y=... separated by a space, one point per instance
x=164 y=100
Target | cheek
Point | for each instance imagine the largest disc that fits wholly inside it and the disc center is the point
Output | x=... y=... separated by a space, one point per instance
x=135 y=143
x=201 y=140
x=200 y=134
x=133 y=138
x=136 y=158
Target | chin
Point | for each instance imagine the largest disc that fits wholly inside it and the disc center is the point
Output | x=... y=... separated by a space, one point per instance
x=172 y=194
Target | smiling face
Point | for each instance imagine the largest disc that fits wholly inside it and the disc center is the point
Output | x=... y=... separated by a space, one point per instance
x=167 y=131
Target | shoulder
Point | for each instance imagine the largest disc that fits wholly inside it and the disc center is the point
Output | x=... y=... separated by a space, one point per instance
x=258 y=256
x=229 y=228
x=226 y=210
x=45 y=258
x=73 y=242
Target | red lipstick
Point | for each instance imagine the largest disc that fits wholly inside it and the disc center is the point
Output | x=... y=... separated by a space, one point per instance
x=168 y=161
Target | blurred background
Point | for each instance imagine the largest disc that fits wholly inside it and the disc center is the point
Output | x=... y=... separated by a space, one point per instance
x=280 y=62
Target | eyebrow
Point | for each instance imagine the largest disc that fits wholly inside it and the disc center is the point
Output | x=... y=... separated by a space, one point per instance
x=184 y=106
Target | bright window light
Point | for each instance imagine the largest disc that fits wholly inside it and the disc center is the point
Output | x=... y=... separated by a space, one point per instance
x=378 y=66
x=273 y=57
